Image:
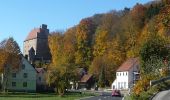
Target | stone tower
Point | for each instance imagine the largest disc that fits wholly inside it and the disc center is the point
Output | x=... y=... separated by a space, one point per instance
x=36 y=44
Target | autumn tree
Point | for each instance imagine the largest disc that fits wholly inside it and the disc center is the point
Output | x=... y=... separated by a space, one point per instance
x=62 y=47
x=84 y=37
x=10 y=59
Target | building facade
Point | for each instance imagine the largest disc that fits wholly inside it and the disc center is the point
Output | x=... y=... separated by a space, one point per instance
x=23 y=79
x=41 y=79
x=36 y=44
x=126 y=75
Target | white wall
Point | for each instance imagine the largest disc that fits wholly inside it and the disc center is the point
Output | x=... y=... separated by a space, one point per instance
x=19 y=79
x=124 y=80
x=121 y=81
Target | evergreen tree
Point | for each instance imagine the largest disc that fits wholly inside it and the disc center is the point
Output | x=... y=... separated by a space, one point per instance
x=102 y=80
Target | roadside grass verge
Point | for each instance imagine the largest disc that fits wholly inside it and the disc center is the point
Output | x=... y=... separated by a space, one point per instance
x=43 y=96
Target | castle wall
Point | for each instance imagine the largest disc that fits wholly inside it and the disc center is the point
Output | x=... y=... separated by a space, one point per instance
x=39 y=44
x=28 y=44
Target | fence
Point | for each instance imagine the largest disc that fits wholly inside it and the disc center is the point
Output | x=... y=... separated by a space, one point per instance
x=153 y=82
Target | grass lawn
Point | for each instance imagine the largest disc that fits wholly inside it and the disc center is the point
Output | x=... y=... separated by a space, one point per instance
x=36 y=96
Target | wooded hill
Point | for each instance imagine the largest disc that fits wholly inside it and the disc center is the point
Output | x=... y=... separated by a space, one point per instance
x=100 y=43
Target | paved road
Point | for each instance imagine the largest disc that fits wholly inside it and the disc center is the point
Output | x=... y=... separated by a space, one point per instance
x=104 y=96
x=164 y=95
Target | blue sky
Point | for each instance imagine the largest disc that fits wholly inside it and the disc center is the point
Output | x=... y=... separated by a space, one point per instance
x=18 y=17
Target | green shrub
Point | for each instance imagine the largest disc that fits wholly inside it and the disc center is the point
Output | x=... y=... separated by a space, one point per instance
x=144 y=96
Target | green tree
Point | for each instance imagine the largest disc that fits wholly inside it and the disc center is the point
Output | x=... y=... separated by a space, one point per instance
x=102 y=80
x=153 y=52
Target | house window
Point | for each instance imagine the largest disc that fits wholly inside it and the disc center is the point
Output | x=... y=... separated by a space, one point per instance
x=117 y=74
x=125 y=85
x=120 y=73
x=23 y=66
x=121 y=85
x=39 y=78
x=118 y=85
x=25 y=84
x=126 y=73
x=25 y=75
x=123 y=73
x=13 y=75
x=13 y=84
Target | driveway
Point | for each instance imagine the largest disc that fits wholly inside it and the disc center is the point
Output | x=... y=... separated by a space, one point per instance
x=104 y=96
x=164 y=95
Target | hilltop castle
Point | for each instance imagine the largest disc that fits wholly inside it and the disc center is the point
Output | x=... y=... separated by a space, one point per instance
x=36 y=45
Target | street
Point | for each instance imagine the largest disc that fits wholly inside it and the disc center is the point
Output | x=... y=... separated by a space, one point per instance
x=164 y=95
x=104 y=96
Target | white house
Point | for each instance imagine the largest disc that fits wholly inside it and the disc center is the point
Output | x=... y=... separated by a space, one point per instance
x=126 y=75
x=23 y=79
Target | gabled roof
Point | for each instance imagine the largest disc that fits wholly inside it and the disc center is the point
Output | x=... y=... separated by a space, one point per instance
x=85 y=78
x=39 y=70
x=28 y=62
x=33 y=34
x=32 y=50
x=126 y=66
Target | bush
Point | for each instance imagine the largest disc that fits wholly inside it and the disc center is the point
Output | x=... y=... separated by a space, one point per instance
x=143 y=84
x=141 y=94
x=144 y=96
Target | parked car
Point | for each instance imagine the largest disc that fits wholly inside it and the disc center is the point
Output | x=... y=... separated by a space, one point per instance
x=116 y=93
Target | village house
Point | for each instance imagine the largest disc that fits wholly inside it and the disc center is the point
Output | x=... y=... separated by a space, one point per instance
x=23 y=79
x=86 y=82
x=40 y=79
x=126 y=75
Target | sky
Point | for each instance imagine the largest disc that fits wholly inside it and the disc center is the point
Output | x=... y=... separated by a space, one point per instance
x=19 y=17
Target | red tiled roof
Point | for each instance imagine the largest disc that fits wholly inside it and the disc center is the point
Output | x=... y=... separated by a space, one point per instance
x=39 y=69
x=33 y=34
x=85 y=78
x=126 y=66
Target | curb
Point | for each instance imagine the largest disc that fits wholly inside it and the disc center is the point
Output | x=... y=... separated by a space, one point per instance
x=153 y=95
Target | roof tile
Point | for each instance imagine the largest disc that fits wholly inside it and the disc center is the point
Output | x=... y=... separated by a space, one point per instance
x=126 y=66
